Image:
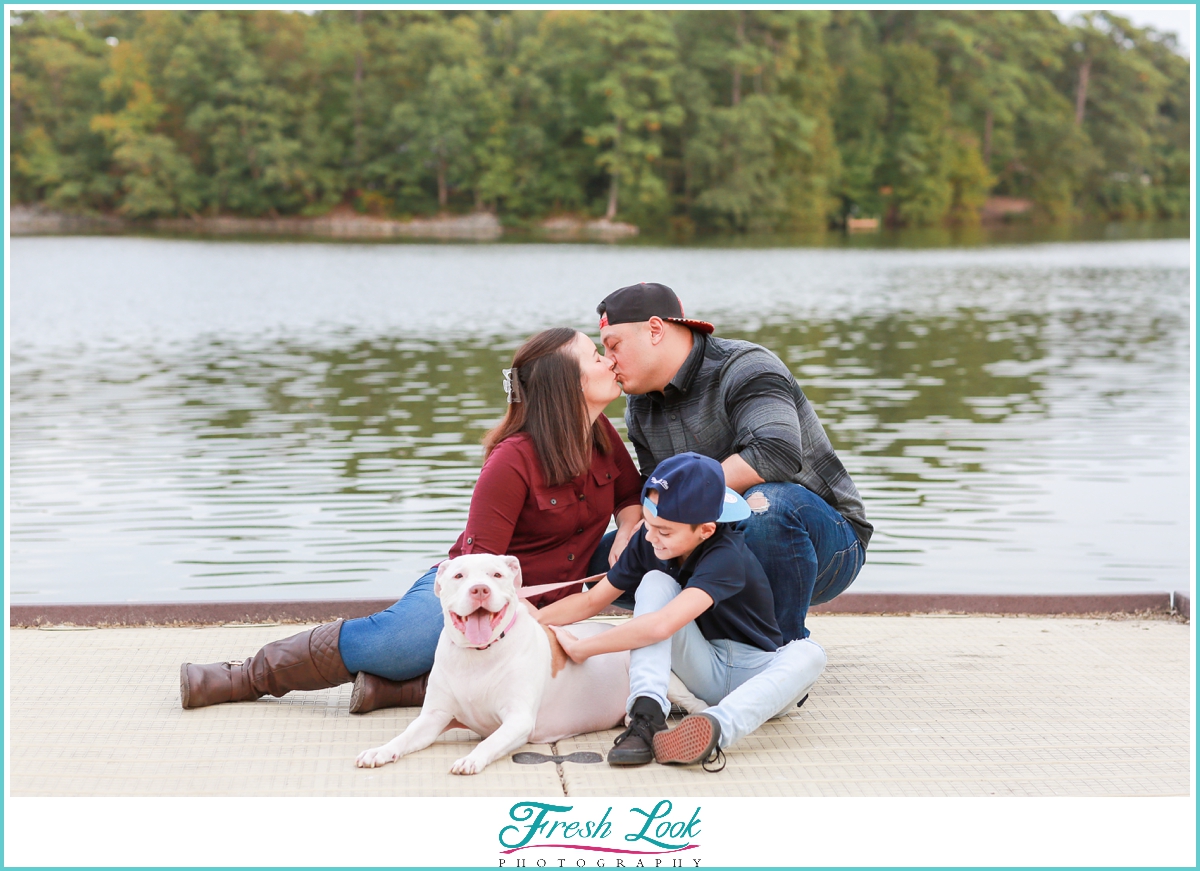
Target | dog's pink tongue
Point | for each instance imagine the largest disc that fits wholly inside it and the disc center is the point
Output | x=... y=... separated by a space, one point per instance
x=479 y=627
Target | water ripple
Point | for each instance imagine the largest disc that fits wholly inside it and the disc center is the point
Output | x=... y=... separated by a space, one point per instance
x=220 y=421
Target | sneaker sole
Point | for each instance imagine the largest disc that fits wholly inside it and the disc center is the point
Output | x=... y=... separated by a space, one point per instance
x=357 y=694
x=646 y=760
x=688 y=743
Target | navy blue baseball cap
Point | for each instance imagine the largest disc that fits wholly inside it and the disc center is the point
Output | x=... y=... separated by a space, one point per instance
x=691 y=489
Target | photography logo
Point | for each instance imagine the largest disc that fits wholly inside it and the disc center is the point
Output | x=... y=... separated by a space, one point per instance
x=633 y=838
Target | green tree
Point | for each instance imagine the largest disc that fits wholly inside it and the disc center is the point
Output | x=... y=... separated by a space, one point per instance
x=448 y=129
x=758 y=141
x=1170 y=161
x=549 y=73
x=1118 y=91
x=444 y=128
x=723 y=120
x=808 y=81
x=969 y=178
x=859 y=110
x=155 y=178
x=636 y=88
x=994 y=65
x=916 y=163
x=56 y=68
x=242 y=116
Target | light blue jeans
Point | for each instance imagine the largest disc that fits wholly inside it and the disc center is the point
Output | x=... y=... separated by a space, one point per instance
x=744 y=685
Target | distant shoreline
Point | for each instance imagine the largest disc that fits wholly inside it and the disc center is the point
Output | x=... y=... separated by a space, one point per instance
x=340 y=224
x=483 y=227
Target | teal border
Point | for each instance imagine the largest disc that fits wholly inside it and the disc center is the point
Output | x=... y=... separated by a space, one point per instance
x=218 y=823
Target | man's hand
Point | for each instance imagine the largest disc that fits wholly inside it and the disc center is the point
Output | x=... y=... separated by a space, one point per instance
x=570 y=644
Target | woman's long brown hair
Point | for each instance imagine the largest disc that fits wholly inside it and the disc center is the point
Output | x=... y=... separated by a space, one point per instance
x=552 y=410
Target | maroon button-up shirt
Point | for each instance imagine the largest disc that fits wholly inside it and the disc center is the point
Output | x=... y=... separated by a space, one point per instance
x=551 y=530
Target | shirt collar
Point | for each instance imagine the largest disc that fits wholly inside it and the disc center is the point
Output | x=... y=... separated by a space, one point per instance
x=682 y=382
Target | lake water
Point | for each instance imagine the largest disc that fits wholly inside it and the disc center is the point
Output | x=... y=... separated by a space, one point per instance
x=222 y=420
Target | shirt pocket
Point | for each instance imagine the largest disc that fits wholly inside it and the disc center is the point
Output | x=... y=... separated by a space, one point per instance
x=556 y=499
x=605 y=476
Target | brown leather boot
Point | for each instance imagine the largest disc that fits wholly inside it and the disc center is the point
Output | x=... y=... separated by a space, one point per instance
x=309 y=660
x=372 y=692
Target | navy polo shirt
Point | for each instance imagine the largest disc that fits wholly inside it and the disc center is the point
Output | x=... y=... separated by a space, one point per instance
x=743 y=609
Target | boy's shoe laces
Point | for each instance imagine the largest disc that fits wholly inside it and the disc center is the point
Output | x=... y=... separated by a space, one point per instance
x=717 y=758
x=640 y=725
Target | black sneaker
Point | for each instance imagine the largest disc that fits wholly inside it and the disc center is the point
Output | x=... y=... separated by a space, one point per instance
x=635 y=746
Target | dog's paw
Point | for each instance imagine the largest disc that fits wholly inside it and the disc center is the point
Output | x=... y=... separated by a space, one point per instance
x=376 y=757
x=466 y=765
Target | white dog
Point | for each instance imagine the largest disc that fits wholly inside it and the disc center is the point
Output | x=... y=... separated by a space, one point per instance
x=498 y=672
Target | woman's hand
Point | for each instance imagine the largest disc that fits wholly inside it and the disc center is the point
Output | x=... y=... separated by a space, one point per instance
x=571 y=645
x=629 y=521
x=620 y=542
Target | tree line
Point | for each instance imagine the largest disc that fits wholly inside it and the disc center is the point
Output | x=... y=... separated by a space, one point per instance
x=716 y=121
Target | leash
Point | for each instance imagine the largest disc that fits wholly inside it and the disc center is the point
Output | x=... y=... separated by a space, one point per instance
x=527 y=592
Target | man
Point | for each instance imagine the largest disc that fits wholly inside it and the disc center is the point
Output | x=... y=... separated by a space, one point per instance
x=738 y=403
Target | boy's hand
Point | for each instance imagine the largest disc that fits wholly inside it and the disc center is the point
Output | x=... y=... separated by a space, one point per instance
x=570 y=644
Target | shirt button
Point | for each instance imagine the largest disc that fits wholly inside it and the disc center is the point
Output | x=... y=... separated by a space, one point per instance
x=608 y=475
x=469 y=540
x=579 y=531
x=581 y=497
x=553 y=501
x=673 y=417
x=570 y=557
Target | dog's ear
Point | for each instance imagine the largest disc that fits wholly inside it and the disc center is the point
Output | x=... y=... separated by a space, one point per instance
x=437 y=581
x=515 y=564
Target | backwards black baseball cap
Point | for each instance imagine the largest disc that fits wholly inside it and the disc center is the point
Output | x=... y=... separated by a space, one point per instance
x=640 y=302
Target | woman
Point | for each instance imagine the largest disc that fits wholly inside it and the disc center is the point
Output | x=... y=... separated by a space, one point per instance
x=554 y=472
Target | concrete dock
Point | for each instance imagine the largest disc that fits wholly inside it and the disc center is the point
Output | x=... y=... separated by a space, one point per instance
x=915 y=705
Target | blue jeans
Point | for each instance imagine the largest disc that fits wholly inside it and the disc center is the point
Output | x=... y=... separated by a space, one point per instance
x=808 y=550
x=744 y=685
x=399 y=643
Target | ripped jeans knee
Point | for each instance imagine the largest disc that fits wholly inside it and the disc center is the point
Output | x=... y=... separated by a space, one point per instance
x=758 y=502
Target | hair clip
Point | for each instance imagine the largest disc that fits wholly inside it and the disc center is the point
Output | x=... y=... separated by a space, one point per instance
x=512 y=386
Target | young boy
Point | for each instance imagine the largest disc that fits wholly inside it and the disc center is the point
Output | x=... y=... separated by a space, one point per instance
x=703 y=609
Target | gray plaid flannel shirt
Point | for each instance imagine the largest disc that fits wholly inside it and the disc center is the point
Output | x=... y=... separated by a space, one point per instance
x=734 y=397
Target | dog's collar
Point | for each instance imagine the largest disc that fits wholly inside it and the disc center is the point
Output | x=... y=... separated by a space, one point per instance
x=501 y=635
